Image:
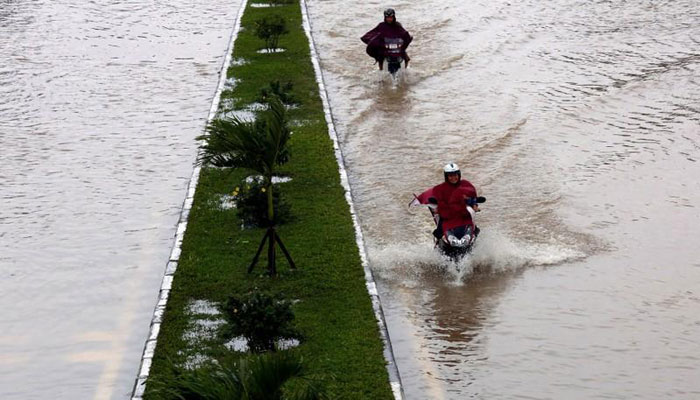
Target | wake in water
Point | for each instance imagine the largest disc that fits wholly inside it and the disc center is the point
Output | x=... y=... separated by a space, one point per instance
x=385 y=81
x=409 y=264
x=412 y=75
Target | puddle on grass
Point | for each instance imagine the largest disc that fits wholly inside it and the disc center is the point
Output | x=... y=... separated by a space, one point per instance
x=228 y=110
x=299 y=122
x=275 y=179
x=202 y=307
x=268 y=51
x=240 y=343
x=243 y=115
x=227 y=202
x=202 y=329
x=231 y=83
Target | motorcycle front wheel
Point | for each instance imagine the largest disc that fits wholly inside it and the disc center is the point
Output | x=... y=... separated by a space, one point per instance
x=394 y=64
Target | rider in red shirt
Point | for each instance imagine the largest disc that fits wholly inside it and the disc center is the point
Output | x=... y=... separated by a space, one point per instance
x=452 y=197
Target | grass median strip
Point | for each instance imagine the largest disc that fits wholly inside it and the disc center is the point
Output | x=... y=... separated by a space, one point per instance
x=341 y=343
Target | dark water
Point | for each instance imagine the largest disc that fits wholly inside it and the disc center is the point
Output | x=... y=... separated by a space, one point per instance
x=580 y=122
x=100 y=102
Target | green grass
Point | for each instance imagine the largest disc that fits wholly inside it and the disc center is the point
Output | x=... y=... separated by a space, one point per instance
x=334 y=312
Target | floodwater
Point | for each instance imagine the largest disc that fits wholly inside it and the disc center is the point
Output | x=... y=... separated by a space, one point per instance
x=100 y=102
x=580 y=123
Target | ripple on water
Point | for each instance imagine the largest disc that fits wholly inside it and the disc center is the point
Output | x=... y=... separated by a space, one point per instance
x=99 y=107
x=558 y=109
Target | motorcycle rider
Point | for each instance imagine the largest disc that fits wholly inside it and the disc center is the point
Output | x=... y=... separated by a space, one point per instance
x=452 y=198
x=390 y=28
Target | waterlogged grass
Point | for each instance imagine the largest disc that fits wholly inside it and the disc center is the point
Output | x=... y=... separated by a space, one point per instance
x=334 y=313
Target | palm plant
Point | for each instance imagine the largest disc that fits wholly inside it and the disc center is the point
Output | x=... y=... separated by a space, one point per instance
x=260 y=146
x=270 y=376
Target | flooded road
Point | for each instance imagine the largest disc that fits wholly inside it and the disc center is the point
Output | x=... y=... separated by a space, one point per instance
x=580 y=122
x=100 y=103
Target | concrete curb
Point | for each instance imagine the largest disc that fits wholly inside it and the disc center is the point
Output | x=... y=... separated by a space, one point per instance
x=394 y=376
x=166 y=284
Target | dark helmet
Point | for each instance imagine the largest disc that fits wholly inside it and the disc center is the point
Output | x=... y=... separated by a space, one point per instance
x=450 y=169
x=389 y=12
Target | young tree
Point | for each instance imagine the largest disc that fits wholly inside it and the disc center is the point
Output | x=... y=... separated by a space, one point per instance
x=270 y=29
x=260 y=146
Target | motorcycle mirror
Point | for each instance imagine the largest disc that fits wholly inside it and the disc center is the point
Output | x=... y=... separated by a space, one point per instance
x=474 y=200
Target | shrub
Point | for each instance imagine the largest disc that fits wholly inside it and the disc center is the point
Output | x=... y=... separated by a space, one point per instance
x=251 y=205
x=272 y=376
x=261 y=318
x=270 y=29
x=282 y=92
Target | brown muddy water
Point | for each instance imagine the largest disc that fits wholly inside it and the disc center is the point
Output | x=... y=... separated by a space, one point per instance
x=580 y=122
x=100 y=102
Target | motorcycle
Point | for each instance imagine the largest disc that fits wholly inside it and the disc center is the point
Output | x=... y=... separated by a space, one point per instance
x=454 y=243
x=392 y=54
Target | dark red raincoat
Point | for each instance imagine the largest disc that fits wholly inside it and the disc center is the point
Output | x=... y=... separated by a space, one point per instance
x=375 y=39
x=451 y=205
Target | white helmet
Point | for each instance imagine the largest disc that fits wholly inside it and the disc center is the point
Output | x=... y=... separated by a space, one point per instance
x=452 y=168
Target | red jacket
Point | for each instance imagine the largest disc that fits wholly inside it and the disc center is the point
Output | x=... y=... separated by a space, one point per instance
x=451 y=203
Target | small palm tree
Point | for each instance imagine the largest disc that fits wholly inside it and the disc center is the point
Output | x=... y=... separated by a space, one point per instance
x=270 y=376
x=261 y=146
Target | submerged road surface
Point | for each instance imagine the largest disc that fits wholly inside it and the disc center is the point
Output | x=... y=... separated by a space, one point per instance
x=100 y=103
x=580 y=122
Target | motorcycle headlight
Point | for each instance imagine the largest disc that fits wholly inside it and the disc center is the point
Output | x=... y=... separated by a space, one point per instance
x=454 y=242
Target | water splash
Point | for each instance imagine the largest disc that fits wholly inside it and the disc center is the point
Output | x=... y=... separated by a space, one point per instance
x=408 y=264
